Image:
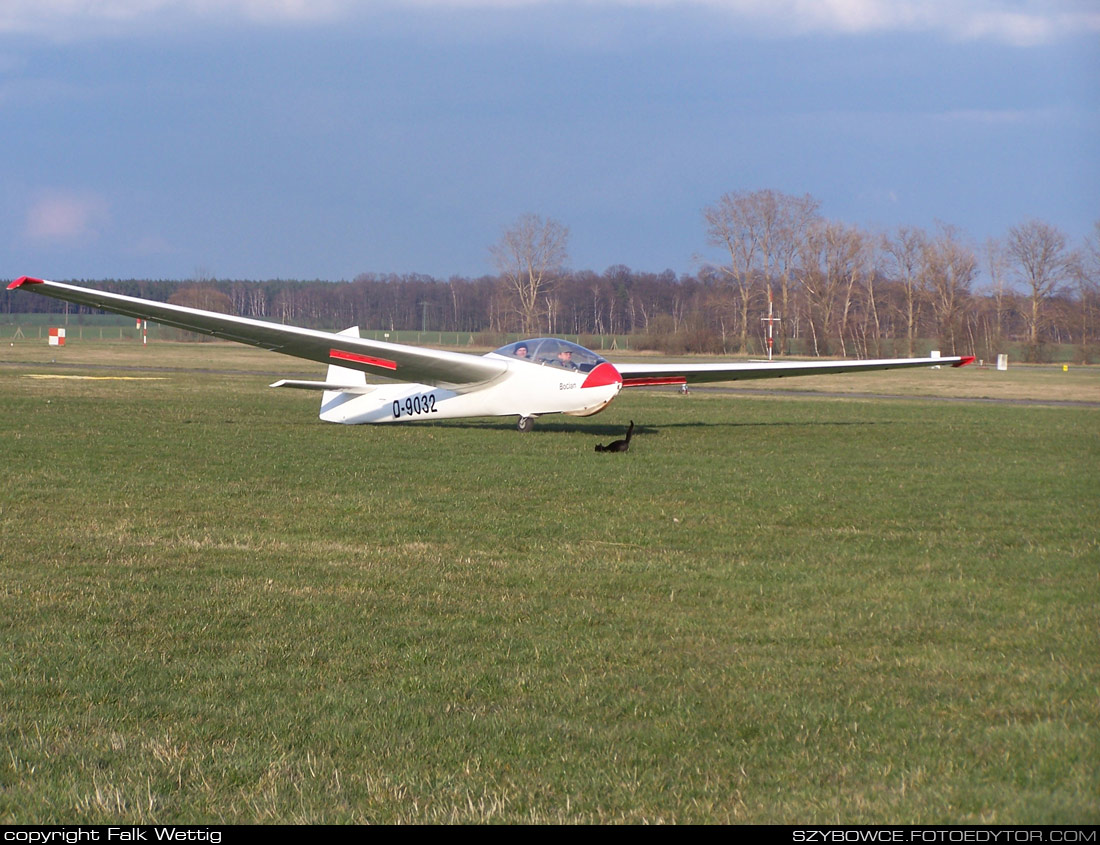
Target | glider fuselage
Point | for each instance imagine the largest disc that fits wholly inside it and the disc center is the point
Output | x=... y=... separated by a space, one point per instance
x=528 y=387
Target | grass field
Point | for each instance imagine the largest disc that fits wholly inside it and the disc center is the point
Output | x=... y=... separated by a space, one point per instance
x=772 y=609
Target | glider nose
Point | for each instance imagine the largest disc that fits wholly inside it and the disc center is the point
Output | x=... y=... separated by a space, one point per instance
x=607 y=382
x=603 y=375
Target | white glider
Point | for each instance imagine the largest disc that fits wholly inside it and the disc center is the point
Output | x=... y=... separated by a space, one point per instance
x=525 y=379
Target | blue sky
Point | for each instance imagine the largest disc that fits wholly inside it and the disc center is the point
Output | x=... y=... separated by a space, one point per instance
x=325 y=138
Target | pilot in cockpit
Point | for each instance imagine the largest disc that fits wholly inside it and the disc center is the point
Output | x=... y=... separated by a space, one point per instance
x=565 y=359
x=520 y=351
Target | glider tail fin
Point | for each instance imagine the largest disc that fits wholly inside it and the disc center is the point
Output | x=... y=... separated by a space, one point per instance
x=331 y=399
x=343 y=375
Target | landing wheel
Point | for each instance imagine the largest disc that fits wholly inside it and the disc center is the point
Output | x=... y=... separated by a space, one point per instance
x=525 y=424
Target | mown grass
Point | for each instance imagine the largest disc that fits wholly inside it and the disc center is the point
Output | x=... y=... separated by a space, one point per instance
x=215 y=607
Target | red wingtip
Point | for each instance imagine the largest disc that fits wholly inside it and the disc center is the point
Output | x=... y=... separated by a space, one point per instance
x=24 y=280
x=966 y=359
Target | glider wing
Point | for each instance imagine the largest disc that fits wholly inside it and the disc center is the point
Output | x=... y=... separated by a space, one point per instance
x=454 y=370
x=645 y=375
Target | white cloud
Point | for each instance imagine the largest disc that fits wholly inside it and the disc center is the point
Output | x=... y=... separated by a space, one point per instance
x=76 y=19
x=66 y=218
x=1021 y=22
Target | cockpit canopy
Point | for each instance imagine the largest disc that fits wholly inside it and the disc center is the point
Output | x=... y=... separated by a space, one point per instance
x=553 y=352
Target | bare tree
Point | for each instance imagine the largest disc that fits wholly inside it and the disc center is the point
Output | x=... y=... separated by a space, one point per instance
x=728 y=225
x=1086 y=276
x=848 y=257
x=871 y=322
x=762 y=231
x=204 y=296
x=949 y=268
x=833 y=259
x=1001 y=296
x=1039 y=256
x=791 y=219
x=530 y=256
x=904 y=254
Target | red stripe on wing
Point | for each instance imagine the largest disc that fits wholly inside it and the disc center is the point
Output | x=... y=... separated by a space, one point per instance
x=642 y=381
x=341 y=355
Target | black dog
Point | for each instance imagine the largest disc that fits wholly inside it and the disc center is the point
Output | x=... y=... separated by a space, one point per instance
x=618 y=445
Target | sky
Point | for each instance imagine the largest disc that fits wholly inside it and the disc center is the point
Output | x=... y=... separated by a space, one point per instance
x=321 y=139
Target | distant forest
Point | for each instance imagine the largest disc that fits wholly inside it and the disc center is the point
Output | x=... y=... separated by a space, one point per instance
x=836 y=289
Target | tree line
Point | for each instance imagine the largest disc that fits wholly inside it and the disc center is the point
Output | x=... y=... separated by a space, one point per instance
x=836 y=289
